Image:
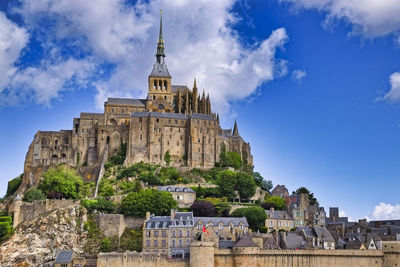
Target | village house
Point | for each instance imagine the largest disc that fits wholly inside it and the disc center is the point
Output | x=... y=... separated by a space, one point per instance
x=278 y=220
x=185 y=196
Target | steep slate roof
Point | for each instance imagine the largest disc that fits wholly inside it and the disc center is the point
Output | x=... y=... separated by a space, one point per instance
x=64 y=256
x=279 y=214
x=175 y=189
x=224 y=220
x=160 y=70
x=183 y=215
x=245 y=242
x=323 y=233
x=126 y=101
x=158 y=222
x=294 y=241
x=226 y=244
x=174 y=88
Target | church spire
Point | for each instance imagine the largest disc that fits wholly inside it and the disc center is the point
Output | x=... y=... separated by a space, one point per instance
x=160 y=45
x=235 y=129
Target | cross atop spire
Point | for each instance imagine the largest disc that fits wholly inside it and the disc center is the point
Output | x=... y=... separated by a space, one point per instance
x=160 y=45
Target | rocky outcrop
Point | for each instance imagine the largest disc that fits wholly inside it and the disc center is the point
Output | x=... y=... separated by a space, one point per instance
x=38 y=241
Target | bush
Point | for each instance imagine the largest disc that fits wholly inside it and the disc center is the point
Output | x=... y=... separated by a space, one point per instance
x=255 y=216
x=106 y=189
x=222 y=209
x=168 y=175
x=226 y=184
x=63 y=180
x=167 y=157
x=13 y=185
x=105 y=245
x=100 y=204
x=202 y=209
x=233 y=160
x=206 y=192
x=34 y=194
x=276 y=202
x=6 y=230
x=149 y=178
x=135 y=170
x=117 y=159
x=5 y=219
x=129 y=187
x=157 y=202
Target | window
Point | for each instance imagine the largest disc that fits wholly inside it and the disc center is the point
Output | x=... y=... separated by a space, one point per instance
x=163 y=243
x=220 y=226
x=155 y=233
x=140 y=137
x=164 y=234
x=154 y=97
x=148 y=242
x=180 y=242
x=156 y=243
x=176 y=121
x=140 y=119
x=187 y=242
x=187 y=233
x=180 y=233
x=270 y=224
x=199 y=227
x=155 y=84
x=173 y=243
x=173 y=233
x=148 y=233
x=64 y=265
x=157 y=120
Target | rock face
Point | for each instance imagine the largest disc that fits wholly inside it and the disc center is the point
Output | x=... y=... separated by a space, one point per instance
x=38 y=241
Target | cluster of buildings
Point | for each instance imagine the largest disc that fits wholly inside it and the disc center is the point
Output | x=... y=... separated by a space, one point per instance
x=173 y=234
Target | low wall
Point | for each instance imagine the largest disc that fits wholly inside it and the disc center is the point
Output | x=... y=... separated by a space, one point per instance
x=136 y=259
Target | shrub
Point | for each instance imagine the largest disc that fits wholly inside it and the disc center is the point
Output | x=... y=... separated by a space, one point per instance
x=5 y=219
x=106 y=189
x=157 y=202
x=6 y=230
x=118 y=158
x=105 y=245
x=149 y=178
x=167 y=157
x=100 y=204
x=34 y=194
x=128 y=187
x=276 y=202
x=63 y=180
x=13 y=185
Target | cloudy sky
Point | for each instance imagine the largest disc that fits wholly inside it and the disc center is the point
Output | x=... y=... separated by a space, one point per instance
x=313 y=84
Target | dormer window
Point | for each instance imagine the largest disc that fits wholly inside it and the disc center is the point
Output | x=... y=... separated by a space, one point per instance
x=185 y=190
x=169 y=189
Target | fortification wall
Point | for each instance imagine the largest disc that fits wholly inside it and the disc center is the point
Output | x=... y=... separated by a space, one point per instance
x=138 y=259
x=202 y=254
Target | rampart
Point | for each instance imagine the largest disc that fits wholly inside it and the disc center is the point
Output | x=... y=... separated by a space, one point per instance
x=204 y=255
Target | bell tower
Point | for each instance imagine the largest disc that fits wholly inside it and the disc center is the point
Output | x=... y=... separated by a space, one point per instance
x=160 y=97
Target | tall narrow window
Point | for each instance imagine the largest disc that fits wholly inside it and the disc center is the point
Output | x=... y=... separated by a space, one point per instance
x=165 y=85
x=155 y=84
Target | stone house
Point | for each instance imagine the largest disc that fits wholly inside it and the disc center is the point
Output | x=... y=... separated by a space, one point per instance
x=156 y=234
x=226 y=228
x=315 y=216
x=280 y=191
x=185 y=196
x=180 y=234
x=278 y=220
x=64 y=258
x=297 y=206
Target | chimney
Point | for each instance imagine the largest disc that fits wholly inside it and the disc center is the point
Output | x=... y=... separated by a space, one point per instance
x=147 y=215
x=173 y=213
x=272 y=209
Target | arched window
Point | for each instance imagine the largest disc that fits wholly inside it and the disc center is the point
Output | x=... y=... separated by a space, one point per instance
x=180 y=242
x=155 y=85
x=165 y=85
x=173 y=243
x=56 y=142
x=160 y=84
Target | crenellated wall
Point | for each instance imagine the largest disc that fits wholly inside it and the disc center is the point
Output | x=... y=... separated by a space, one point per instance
x=136 y=259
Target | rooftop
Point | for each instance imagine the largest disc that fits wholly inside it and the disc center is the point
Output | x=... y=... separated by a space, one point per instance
x=126 y=101
x=64 y=256
x=224 y=220
x=175 y=189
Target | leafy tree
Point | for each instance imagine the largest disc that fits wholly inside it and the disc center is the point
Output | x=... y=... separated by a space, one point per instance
x=266 y=185
x=245 y=185
x=222 y=209
x=233 y=160
x=34 y=194
x=202 y=209
x=255 y=216
x=157 y=202
x=62 y=179
x=105 y=245
x=303 y=190
x=167 y=157
x=128 y=187
x=13 y=185
x=222 y=155
x=226 y=184
x=6 y=229
x=131 y=240
x=276 y=202
x=169 y=175
x=119 y=158
x=149 y=178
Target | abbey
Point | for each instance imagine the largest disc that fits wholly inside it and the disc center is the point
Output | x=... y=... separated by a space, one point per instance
x=172 y=118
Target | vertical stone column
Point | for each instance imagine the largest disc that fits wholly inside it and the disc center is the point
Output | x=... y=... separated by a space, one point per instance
x=201 y=254
x=17 y=210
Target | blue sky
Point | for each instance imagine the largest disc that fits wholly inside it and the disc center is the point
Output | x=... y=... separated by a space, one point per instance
x=314 y=85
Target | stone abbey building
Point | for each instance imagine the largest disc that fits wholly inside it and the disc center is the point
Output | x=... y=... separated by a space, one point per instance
x=172 y=118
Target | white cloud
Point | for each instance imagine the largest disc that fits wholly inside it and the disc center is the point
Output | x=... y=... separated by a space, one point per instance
x=299 y=75
x=198 y=37
x=369 y=18
x=394 y=93
x=12 y=40
x=385 y=211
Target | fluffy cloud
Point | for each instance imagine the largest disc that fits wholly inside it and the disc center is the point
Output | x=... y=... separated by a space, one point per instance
x=199 y=43
x=12 y=40
x=370 y=18
x=299 y=75
x=394 y=93
x=342 y=213
x=385 y=211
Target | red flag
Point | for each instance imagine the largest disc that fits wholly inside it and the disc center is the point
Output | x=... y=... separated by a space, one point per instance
x=205 y=230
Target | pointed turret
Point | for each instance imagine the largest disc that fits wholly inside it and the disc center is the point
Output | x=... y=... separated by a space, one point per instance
x=195 y=102
x=235 y=129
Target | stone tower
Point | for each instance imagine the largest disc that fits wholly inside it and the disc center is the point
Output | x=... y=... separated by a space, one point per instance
x=160 y=96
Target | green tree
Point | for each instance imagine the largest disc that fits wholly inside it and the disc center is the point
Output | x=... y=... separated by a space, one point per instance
x=266 y=185
x=255 y=216
x=277 y=202
x=154 y=201
x=13 y=185
x=105 y=245
x=303 y=190
x=233 y=160
x=6 y=229
x=226 y=184
x=222 y=155
x=100 y=204
x=245 y=185
x=34 y=194
x=63 y=180
x=167 y=157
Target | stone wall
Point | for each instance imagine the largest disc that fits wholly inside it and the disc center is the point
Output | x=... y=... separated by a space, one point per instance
x=203 y=254
x=138 y=259
x=115 y=224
